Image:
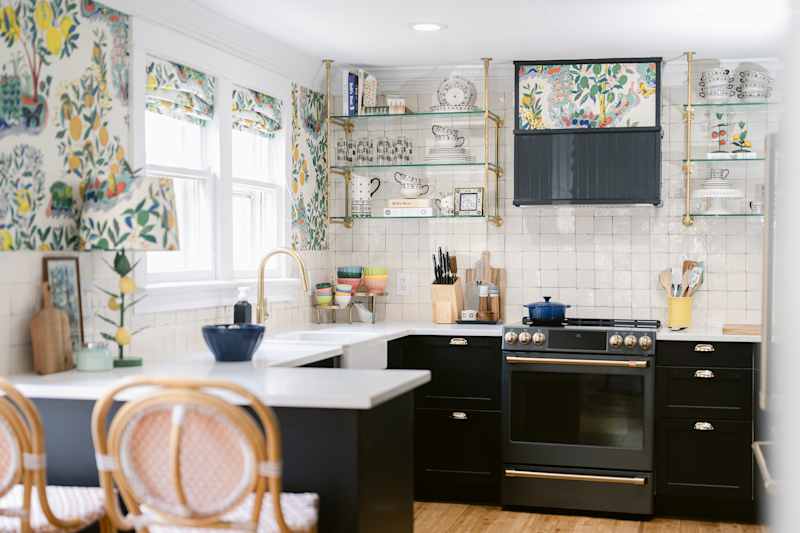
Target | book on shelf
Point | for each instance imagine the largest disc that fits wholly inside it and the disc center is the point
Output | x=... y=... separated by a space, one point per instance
x=360 y=99
x=409 y=211
x=408 y=202
x=352 y=94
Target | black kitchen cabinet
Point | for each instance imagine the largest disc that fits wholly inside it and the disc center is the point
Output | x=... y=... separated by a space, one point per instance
x=457 y=433
x=704 y=429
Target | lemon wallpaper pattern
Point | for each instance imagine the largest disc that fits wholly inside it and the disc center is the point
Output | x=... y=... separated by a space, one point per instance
x=63 y=117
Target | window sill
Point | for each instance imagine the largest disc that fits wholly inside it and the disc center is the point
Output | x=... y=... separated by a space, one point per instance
x=204 y=294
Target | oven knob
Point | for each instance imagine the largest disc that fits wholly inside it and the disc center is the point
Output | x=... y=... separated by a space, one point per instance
x=538 y=338
x=511 y=337
x=645 y=342
x=615 y=341
x=524 y=337
x=630 y=341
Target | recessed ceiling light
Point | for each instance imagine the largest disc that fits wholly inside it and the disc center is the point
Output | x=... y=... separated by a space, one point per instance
x=427 y=26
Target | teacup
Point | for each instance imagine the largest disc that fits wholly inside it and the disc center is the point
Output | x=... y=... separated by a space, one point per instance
x=414 y=191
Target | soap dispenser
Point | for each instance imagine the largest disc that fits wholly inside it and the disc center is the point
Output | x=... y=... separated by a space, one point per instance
x=242 y=310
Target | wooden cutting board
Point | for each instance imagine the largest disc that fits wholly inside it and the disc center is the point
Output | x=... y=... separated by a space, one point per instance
x=50 y=338
x=741 y=329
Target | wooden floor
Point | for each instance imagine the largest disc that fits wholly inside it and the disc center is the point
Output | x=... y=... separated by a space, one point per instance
x=458 y=518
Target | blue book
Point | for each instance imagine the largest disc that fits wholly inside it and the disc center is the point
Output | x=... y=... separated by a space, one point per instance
x=352 y=94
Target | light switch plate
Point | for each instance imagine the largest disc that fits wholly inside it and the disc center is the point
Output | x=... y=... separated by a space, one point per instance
x=403 y=281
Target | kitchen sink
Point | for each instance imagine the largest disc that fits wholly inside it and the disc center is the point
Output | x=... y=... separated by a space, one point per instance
x=360 y=350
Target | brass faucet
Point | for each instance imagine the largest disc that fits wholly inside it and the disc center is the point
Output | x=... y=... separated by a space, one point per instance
x=261 y=305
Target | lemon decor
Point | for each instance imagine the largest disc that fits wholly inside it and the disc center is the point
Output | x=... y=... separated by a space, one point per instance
x=117 y=302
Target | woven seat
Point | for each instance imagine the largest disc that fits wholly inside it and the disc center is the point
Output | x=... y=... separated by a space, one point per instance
x=299 y=511
x=184 y=458
x=82 y=505
x=27 y=504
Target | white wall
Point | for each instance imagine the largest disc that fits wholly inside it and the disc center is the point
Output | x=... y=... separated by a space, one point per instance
x=602 y=260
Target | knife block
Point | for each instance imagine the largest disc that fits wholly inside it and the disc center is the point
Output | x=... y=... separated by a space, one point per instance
x=447 y=302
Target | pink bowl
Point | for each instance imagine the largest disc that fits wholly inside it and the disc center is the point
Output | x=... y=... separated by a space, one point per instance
x=353 y=282
x=375 y=286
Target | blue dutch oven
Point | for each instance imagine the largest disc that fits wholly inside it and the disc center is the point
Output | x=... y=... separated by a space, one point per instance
x=546 y=312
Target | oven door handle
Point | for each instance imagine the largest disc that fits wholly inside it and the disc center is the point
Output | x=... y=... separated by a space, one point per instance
x=514 y=360
x=639 y=481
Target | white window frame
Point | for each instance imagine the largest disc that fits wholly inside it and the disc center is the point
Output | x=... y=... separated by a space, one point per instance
x=184 y=292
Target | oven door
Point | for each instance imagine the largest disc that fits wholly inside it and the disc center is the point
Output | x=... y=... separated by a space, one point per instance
x=592 y=411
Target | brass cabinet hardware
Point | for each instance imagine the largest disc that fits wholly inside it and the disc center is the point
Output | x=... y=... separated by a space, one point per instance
x=639 y=481
x=458 y=341
x=703 y=426
x=458 y=415
x=704 y=374
x=513 y=359
x=704 y=348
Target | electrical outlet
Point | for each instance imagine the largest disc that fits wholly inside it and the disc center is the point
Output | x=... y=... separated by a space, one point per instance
x=403 y=282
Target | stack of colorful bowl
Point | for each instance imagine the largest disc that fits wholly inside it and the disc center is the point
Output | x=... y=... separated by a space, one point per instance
x=349 y=275
x=375 y=279
x=324 y=293
x=344 y=293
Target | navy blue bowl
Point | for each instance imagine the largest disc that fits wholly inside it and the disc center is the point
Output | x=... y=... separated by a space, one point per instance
x=232 y=343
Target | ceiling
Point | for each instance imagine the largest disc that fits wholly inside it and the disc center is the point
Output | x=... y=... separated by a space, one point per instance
x=377 y=32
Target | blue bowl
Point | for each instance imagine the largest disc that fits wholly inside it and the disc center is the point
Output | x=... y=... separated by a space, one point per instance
x=232 y=343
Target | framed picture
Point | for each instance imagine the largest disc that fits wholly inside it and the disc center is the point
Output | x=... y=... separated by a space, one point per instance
x=64 y=277
x=587 y=95
x=469 y=202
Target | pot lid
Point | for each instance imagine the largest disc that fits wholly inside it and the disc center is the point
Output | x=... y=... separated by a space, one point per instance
x=547 y=304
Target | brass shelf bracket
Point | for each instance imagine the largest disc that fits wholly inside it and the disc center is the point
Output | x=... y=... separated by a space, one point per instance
x=688 y=118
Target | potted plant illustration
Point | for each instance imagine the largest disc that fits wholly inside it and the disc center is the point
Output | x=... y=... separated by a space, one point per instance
x=719 y=134
x=122 y=301
x=741 y=141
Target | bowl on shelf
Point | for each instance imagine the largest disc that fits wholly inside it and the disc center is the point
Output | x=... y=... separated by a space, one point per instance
x=324 y=299
x=375 y=271
x=344 y=287
x=343 y=298
x=233 y=342
x=376 y=284
x=323 y=285
x=352 y=282
x=349 y=271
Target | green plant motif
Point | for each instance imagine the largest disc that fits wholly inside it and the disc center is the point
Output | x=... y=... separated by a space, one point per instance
x=45 y=30
x=22 y=198
x=309 y=144
x=740 y=139
x=117 y=302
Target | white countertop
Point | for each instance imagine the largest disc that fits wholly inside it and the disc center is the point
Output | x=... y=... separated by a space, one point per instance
x=704 y=334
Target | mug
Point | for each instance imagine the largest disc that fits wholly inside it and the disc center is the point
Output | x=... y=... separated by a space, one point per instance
x=342 y=153
x=360 y=186
x=365 y=151
x=718 y=173
x=383 y=151
x=403 y=150
x=445 y=204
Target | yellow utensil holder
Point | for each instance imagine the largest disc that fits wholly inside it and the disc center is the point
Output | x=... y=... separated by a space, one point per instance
x=679 y=312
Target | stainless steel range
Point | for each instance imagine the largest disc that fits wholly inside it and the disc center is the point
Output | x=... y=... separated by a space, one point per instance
x=578 y=415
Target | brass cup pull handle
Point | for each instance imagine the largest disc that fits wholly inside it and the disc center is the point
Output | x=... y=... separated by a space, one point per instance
x=704 y=348
x=458 y=341
x=614 y=480
x=703 y=426
x=459 y=415
x=515 y=359
x=704 y=374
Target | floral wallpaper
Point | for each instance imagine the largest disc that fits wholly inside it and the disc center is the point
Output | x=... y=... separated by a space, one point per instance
x=64 y=82
x=309 y=178
x=256 y=112
x=588 y=95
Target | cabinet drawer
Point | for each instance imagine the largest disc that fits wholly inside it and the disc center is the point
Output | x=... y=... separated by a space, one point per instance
x=704 y=458
x=705 y=354
x=457 y=455
x=725 y=393
x=465 y=371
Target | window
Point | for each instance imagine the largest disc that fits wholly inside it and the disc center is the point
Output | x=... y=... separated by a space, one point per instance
x=257 y=194
x=229 y=214
x=178 y=148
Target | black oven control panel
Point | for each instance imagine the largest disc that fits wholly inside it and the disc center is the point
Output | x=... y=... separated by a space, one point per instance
x=576 y=339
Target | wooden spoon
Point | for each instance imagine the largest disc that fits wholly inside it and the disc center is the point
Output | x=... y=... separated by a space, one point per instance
x=665 y=278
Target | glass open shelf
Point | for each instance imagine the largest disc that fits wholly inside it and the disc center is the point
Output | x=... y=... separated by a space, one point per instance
x=724 y=160
x=473 y=164
x=727 y=214
x=424 y=114
x=380 y=217
x=731 y=105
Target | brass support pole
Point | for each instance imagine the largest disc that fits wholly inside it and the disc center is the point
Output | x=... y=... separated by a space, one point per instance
x=486 y=61
x=688 y=118
x=348 y=214
x=328 y=104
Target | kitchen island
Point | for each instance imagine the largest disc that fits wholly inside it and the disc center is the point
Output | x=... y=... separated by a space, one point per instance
x=347 y=433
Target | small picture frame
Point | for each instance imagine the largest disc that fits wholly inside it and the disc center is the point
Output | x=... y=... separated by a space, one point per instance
x=64 y=277
x=469 y=202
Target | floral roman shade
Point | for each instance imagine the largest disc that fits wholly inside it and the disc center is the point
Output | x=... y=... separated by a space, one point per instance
x=179 y=91
x=256 y=112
